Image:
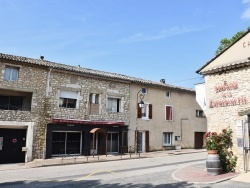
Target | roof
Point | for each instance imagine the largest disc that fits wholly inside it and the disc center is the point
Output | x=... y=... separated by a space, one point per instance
x=89 y=72
x=226 y=67
x=220 y=67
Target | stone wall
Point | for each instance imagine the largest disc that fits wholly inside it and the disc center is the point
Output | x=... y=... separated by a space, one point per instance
x=224 y=104
x=84 y=86
x=31 y=79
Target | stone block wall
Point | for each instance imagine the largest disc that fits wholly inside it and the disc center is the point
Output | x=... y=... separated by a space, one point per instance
x=226 y=94
x=31 y=79
x=84 y=86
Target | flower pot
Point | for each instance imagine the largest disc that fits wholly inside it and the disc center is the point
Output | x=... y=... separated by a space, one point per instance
x=212 y=151
x=213 y=164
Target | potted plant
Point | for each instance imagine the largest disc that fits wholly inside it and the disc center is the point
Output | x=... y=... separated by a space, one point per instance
x=212 y=141
x=221 y=144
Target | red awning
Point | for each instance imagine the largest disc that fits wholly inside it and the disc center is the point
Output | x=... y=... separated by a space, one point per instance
x=80 y=121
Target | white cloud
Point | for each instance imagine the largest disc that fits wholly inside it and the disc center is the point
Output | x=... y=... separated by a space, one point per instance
x=246 y=14
x=139 y=37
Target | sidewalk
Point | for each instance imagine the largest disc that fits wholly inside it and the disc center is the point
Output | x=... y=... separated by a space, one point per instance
x=192 y=174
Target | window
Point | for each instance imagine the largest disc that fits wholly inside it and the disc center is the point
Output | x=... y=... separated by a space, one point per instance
x=11 y=73
x=94 y=103
x=169 y=113
x=114 y=104
x=168 y=94
x=11 y=102
x=68 y=99
x=144 y=90
x=94 y=98
x=200 y=113
x=167 y=138
x=146 y=111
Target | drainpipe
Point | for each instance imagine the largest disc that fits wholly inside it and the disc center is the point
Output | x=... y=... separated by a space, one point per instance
x=48 y=80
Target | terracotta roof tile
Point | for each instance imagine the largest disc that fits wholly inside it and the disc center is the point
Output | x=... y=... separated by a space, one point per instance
x=89 y=71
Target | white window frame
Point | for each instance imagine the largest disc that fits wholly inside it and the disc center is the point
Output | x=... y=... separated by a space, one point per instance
x=200 y=113
x=172 y=115
x=146 y=117
x=170 y=136
x=66 y=94
x=168 y=94
x=11 y=73
x=114 y=98
x=144 y=90
x=94 y=98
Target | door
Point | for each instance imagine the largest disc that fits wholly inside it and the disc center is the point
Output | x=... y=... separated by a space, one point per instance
x=198 y=140
x=11 y=143
x=141 y=141
x=113 y=142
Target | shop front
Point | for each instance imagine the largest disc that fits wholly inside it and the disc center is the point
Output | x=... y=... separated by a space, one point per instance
x=81 y=137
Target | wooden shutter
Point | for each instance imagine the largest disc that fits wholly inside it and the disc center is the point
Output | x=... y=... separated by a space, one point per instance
x=168 y=113
x=139 y=115
x=150 y=114
x=147 y=141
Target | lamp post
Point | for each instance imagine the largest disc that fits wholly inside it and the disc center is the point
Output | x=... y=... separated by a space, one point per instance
x=141 y=104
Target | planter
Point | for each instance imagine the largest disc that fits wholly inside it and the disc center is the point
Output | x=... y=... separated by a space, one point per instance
x=213 y=163
x=212 y=151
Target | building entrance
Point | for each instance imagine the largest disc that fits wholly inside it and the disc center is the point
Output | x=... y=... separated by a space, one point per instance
x=11 y=143
x=113 y=142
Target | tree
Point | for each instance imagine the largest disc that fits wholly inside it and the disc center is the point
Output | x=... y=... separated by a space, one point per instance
x=224 y=43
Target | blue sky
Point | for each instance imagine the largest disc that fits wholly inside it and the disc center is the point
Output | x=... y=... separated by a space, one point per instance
x=149 y=39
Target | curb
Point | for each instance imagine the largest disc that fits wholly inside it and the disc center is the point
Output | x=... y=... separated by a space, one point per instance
x=205 y=182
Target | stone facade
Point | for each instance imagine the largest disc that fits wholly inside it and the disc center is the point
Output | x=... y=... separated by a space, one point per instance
x=226 y=114
x=42 y=86
x=31 y=80
x=63 y=100
x=227 y=93
x=85 y=86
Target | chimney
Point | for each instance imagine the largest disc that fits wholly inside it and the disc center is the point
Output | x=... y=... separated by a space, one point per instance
x=41 y=57
x=162 y=81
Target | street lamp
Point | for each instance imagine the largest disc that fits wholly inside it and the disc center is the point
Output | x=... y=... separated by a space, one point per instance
x=141 y=104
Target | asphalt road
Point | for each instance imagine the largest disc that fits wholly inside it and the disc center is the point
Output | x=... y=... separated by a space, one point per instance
x=143 y=172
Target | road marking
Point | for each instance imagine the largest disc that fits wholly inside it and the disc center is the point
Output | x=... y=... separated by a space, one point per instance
x=100 y=171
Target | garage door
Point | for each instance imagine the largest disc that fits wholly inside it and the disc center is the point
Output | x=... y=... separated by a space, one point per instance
x=11 y=143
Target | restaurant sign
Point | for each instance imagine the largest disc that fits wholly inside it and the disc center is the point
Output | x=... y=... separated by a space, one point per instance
x=225 y=92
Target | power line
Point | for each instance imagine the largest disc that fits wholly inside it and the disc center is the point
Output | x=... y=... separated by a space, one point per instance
x=186 y=79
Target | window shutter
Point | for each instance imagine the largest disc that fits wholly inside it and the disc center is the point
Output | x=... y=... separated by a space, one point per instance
x=150 y=114
x=139 y=115
x=168 y=113
x=147 y=141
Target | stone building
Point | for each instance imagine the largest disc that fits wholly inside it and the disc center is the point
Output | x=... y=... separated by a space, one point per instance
x=227 y=85
x=170 y=118
x=49 y=109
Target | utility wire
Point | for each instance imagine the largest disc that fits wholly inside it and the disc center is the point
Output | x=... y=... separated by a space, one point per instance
x=186 y=79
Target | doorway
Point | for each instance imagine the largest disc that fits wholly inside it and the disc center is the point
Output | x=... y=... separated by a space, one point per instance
x=198 y=140
x=141 y=141
x=12 y=141
x=113 y=142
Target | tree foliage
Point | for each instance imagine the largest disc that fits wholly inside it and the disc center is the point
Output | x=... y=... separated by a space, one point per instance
x=224 y=43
